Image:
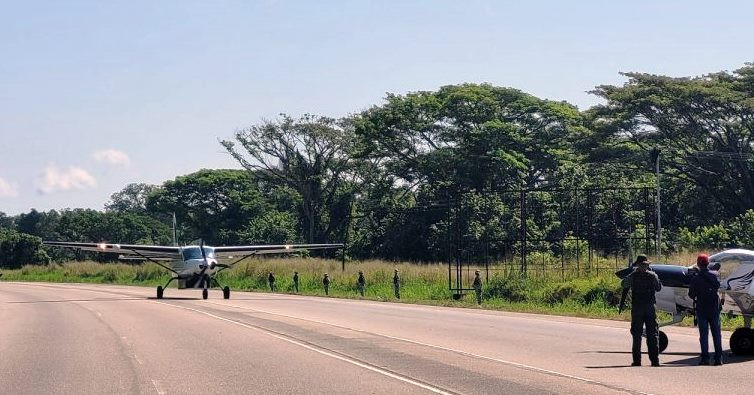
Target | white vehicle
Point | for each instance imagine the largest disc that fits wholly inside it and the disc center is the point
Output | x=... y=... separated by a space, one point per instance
x=193 y=266
x=736 y=268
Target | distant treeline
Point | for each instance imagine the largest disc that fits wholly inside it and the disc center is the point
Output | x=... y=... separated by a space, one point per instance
x=383 y=178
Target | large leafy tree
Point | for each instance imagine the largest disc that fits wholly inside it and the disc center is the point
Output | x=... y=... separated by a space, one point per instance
x=438 y=158
x=472 y=136
x=43 y=224
x=703 y=127
x=131 y=199
x=309 y=155
x=213 y=205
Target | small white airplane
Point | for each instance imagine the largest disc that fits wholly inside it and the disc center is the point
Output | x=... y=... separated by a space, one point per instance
x=193 y=266
x=736 y=268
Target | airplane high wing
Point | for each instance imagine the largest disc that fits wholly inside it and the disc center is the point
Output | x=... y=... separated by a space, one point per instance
x=125 y=249
x=232 y=251
x=193 y=266
x=736 y=269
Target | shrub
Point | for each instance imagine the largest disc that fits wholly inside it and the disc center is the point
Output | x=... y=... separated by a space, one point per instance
x=508 y=288
x=18 y=249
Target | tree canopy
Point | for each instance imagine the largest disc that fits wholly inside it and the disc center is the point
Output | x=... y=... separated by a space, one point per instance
x=422 y=171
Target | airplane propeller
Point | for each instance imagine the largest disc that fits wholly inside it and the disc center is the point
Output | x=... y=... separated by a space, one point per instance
x=621 y=274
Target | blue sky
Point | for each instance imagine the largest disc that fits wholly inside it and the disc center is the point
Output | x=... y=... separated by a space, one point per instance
x=98 y=94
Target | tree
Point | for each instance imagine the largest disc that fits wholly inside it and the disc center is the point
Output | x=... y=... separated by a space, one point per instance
x=214 y=205
x=6 y=222
x=438 y=158
x=471 y=136
x=309 y=155
x=703 y=126
x=272 y=227
x=18 y=249
x=41 y=224
x=131 y=199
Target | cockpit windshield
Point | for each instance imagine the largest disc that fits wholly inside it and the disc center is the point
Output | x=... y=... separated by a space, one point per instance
x=196 y=253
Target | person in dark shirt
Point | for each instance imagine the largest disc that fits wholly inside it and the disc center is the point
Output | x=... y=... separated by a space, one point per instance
x=477 y=287
x=396 y=284
x=703 y=289
x=295 y=281
x=643 y=284
x=326 y=283
x=271 y=281
x=361 y=283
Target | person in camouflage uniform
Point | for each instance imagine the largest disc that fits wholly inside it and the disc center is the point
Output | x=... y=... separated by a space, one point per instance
x=361 y=283
x=643 y=283
x=271 y=281
x=478 y=287
x=396 y=284
x=295 y=281
x=326 y=284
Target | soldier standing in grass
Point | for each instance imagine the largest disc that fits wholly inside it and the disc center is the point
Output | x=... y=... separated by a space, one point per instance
x=643 y=283
x=271 y=281
x=478 y=287
x=396 y=284
x=295 y=281
x=326 y=283
x=361 y=283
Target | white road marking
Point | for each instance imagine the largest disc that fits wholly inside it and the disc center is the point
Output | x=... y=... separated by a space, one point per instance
x=320 y=351
x=461 y=352
x=157 y=387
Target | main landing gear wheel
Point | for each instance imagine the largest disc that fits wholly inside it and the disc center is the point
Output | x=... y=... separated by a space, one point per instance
x=226 y=293
x=742 y=341
x=159 y=291
x=663 y=338
x=205 y=293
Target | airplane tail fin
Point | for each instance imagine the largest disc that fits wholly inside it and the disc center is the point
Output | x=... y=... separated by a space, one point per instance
x=175 y=234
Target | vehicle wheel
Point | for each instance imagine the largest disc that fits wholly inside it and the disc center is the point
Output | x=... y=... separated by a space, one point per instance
x=663 y=344
x=226 y=293
x=742 y=341
x=159 y=292
x=205 y=293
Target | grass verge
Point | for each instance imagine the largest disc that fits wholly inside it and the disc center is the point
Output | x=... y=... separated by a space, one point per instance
x=596 y=296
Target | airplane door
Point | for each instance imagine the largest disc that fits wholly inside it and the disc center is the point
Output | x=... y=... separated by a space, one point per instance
x=666 y=299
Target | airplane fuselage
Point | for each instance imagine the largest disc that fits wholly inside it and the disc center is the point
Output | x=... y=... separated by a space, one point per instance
x=195 y=267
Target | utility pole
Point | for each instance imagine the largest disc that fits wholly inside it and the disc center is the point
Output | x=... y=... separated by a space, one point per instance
x=655 y=155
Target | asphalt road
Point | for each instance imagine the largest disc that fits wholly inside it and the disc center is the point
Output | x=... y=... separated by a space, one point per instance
x=80 y=338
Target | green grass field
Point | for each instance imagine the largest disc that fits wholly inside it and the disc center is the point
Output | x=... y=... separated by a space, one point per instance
x=592 y=295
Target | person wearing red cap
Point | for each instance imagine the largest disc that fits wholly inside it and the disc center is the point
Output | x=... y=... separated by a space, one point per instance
x=703 y=289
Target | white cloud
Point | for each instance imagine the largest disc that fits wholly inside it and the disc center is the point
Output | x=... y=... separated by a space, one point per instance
x=7 y=189
x=54 y=179
x=112 y=157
